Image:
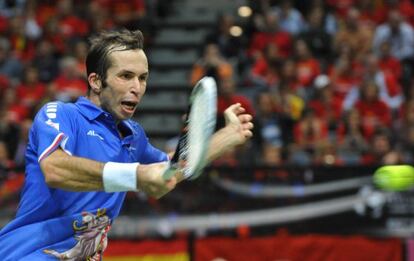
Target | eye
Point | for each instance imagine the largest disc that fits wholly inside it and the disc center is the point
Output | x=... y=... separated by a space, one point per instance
x=127 y=76
x=143 y=77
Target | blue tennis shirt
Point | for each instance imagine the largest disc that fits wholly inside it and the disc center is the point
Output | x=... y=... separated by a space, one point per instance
x=56 y=224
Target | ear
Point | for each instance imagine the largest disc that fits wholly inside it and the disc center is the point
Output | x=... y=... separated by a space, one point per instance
x=95 y=83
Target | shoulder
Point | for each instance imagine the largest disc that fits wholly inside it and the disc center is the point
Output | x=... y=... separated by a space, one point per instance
x=57 y=111
x=55 y=107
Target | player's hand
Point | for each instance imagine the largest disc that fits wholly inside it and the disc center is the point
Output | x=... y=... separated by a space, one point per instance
x=239 y=122
x=394 y=177
x=151 y=181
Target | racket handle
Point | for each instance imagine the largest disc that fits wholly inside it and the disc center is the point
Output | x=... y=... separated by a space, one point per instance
x=169 y=173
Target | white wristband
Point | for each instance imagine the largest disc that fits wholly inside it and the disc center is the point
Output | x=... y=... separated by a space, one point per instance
x=119 y=177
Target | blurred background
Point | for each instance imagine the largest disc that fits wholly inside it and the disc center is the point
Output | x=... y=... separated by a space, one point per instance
x=330 y=84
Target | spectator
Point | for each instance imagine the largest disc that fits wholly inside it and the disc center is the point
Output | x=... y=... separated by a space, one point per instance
x=128 y=13
x=290 y=19
x=307 y=68
x=274 y=125
x=19 y=156
x=5 y=162
x=212 y=63
x=398 y=33
x=310 y=132
x=374 y=112
x=11 y=8
x=405 y=128
x=371 y=12
x=383 y=151
x=326 y=105
x=15 y=110
x=342 y=76
x=9 y=130
x=69 y=84
x=329 y=21
x=289 y=76
x=99 y=17
x=355 y=34
x=46 y=61
x=10 y=66
x=327 y=155
x=22 y=46
x=388 y=63
x=265 y=72
x=315 y=36
x=390 y=91
x=31 y=90
x=70 y=24
x=269 y=32
x=230 y=46
x=351 y=141
x=80 y=51
x=227 y=95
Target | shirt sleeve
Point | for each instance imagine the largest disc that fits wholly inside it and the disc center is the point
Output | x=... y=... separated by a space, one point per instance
x=152 y=155
x=145 y=153
x=52 y=129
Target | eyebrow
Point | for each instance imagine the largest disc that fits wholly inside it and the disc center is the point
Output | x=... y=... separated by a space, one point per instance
x=132 y=72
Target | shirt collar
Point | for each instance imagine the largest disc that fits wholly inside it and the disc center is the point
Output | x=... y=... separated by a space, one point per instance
x=89 y=109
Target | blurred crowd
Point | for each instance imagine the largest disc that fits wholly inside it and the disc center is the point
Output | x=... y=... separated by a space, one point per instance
x=43 y=46
x=329 y=82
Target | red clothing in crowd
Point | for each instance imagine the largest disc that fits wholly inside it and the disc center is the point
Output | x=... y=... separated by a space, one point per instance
x=341 y=7
x=282 y=40
x=262 y=70
x=391 y=65
x=29 y=95
x=72 y=26
x=223 y=102
x=306 y=71
x=64 y=84
x=17 y=112
x=310 y=135
x=373 y=114
x=333 y=109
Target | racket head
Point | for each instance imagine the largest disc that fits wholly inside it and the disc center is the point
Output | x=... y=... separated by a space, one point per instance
x=191 y=152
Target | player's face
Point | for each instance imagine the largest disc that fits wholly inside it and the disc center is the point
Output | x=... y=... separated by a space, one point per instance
x=126 y=83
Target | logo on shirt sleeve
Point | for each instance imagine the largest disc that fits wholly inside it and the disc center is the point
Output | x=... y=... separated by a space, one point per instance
x=51 y=109
x=52 y=124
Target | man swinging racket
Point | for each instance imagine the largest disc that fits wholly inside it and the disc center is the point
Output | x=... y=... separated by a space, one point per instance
x=82 y=157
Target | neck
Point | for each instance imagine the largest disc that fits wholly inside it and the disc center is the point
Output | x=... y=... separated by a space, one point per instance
x=94 y=98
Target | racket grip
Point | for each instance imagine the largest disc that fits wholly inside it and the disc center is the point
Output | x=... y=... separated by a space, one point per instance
x=169 y=173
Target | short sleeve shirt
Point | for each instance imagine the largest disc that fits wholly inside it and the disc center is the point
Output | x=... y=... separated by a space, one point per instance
x=54 y=223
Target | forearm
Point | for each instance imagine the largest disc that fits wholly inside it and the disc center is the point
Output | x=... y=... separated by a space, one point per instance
x=221 y=141
x=72 y=173
x=80 y=174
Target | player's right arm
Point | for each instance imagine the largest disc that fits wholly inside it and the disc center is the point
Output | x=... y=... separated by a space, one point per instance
x=53 y=140
x=67 y=172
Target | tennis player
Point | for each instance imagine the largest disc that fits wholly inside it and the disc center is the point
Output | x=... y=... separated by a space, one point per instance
x=82 y=157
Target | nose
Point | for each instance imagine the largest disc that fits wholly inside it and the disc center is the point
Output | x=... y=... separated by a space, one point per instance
x=136 y=86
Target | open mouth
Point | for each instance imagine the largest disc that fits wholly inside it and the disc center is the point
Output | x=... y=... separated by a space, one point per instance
x=129 y=105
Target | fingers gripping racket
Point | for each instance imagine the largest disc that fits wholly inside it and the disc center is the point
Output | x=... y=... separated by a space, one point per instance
x=191 y=152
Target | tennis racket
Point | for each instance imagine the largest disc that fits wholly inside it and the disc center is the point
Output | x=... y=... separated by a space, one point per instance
x=191 y=153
